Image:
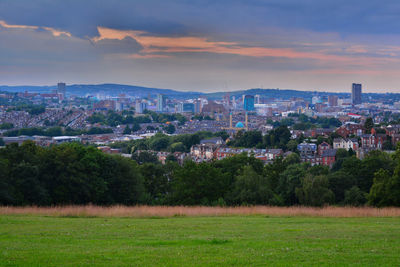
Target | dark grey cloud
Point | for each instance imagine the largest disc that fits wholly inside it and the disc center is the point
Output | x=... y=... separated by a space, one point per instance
x=332 y=27
x=182 y=17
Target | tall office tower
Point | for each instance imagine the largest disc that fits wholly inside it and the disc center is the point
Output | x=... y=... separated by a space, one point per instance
x=185 y=107
x=248 y=104
x=356 y=94
x=61 y=89
x=233 y=102
x=161 y=102
x=333 y=100
x=227 y=99
x=140 y=106
x=257 y=99
x=197 y=106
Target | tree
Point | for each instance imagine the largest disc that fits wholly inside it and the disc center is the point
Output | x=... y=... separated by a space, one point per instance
x=135 y=127
x=127 y=130
x=1 y=142
x=6 y=126
x=159 y=142
x=6 y=189
x=142 y=157
x=339 y=183
x=387 y=145
x=156 y=182
x=177 y=147
x=198 y=184
x=354 y=197
x=170 y=129
x=278 y=137
x=224 y=135
x=293 y=158
x=292 y=145
x=373 y=162
x=248 y=139
x=125 y=182
x=380 y=194
x=171 y=158
x=368 y=125
x=314 y=191
x=251 y=188
x=289 y=180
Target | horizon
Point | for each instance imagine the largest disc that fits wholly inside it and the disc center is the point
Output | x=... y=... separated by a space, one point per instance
x=204 y=92
x=223 y=46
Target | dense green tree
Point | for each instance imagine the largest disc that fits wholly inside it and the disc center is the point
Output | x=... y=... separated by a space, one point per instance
x=144 y=157
x=289 y=180
x=339 y=183
x=159 y=143
x=380 y=194
x=314 y=191
x=177 y=147
x=6 y=126
x=355 y=197
x=156 y=182
x=247 y=139
x=368 y=125
x=251 y=188
x=125 y=183
x=127 y=130
x=278 y=137
x=198 y=184
x=292 y=145
x=170 y=129
x=135 y=127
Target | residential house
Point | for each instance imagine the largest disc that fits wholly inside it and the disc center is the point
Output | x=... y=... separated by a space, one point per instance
x=345 y=143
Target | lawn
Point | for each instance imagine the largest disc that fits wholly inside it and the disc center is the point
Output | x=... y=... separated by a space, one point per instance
x=206 y=241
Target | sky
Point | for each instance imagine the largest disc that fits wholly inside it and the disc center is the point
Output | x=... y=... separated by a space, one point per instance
x=202 y=45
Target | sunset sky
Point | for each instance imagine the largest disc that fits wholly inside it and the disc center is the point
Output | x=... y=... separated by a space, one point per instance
x=203 y=45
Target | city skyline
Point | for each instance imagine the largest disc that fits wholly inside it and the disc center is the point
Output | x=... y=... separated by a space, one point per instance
x=199 y=46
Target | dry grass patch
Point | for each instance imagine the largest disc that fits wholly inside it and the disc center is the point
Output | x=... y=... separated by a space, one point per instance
x=171 y=211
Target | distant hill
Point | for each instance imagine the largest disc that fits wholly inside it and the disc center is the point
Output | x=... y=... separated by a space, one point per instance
x=109 y=89
x=140 y=91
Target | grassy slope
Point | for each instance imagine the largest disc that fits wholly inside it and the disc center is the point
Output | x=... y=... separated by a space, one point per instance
x=213 y=241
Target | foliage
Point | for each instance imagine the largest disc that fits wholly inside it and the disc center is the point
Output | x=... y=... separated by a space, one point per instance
x=78 y=174
x=56 y=131
x=169 y=129
x=368 y=125
x=113 y=118
x=314 y=191
x=30 y=108
x=6 y=126
x=163 y=117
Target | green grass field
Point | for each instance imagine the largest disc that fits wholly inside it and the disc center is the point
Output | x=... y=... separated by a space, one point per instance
x=205 y=241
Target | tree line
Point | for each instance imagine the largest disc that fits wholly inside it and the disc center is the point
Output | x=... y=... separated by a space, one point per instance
x=76 y=174
x=56 y=131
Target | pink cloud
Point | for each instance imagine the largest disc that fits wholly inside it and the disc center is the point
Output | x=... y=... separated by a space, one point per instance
x=9 y=26
x=147 y=56
x=57 y=33
x=154 y=45
x=54 y=32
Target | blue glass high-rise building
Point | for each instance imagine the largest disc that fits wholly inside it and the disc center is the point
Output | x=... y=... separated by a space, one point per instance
x=161 y=102
x=248 y=103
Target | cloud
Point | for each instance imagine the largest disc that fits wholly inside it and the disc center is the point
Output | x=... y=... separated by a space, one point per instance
x=54 y=32
x=281 y=43
x=10 y=26
x=167 y=46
